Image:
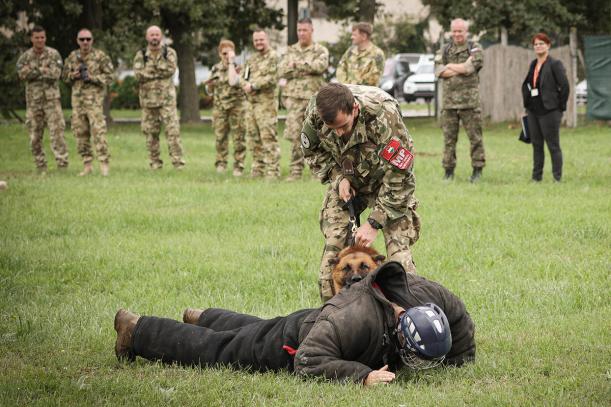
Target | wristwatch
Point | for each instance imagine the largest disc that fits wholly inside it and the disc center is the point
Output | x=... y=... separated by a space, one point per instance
x=374 y=224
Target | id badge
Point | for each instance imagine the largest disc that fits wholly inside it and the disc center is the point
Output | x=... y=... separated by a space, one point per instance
x=534 y=92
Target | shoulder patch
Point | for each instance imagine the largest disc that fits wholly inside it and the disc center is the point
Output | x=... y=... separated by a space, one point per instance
x=397 y=155
x=309 y=138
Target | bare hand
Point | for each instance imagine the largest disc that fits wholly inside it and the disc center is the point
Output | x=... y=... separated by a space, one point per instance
x=379 y=376
x=76 y=74
x=365 y=235
x=345 y=190
x=247 y=87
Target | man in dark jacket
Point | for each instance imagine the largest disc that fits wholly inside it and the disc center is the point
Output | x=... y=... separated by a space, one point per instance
x=357 y=335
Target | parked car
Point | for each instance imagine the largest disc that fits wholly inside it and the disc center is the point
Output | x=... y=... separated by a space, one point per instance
x=581 y=92
x=421 y=84
x=398 y=68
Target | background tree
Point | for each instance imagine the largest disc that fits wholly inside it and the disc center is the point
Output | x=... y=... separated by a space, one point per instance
x=523 y=18
x=354 y=10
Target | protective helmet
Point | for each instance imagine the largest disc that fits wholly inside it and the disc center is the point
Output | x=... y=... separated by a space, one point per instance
x=424 y=335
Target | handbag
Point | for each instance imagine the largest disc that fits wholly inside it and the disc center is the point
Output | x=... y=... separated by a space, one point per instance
x=524 y=134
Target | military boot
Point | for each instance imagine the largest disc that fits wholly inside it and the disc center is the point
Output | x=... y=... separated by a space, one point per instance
x=125 y=324
x=87 y=169
x=476 y=175
x=191 y=315
x=449 y=175
x=104 y=169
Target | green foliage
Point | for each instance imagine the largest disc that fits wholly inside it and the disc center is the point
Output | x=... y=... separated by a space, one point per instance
x=353 y=10
x=124 y=94
x=525 y=18
x=396 y=35
x=530 y=261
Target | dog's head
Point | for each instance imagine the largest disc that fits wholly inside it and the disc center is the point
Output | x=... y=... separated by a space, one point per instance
x=352 y=264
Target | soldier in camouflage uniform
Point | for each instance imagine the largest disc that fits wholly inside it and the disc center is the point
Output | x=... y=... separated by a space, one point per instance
x=302 y=67
x=89 y=71
x=458 y=65
x=363 y=62
x=229 y=108
x=259 y=81
x=41 y=67
x=154 y=68
x=354 y=139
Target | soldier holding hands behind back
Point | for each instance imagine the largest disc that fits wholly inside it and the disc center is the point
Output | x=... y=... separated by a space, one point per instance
x=154 y=68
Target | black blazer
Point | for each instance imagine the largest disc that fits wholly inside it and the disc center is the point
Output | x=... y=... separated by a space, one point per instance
x=552 y=83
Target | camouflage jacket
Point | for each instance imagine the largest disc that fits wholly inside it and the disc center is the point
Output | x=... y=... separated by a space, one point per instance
x=377 y=159
x=154 y=72
x=40 y=73
x=460 y=91
x=225 y=95
x=304 y=80
x=261 y=71
x=100 y=71
x=361 y=67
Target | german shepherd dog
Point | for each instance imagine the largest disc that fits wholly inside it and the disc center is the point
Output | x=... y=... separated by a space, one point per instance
x=352 y=264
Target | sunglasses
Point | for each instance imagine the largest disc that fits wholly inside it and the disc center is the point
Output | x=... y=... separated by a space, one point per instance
x=85 y=39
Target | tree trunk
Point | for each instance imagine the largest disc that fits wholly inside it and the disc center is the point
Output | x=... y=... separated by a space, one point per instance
x=188 y=98
x=91 y=18
x=292 y=7
x=367 y=10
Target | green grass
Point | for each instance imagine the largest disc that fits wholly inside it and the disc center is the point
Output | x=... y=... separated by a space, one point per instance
x=531 y=262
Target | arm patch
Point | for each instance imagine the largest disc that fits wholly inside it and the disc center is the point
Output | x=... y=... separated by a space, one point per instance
x=397 y=155
x=309 y=137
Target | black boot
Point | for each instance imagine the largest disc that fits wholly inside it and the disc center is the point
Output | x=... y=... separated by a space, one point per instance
x=449 y=175
x=477 y=174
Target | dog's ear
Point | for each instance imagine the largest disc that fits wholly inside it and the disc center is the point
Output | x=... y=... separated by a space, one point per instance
x=379 y=258
x=334 y=261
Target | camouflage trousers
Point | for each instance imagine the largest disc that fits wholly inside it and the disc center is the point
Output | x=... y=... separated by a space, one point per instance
x=399 y=235
x=261 y=120
x=152 y=119
x=472 y=122
x=294 y=122
x=224 y=122
x=48 y=113
x=89 y=125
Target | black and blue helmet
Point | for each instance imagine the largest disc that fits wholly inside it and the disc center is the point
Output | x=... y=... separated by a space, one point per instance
x=424 y=335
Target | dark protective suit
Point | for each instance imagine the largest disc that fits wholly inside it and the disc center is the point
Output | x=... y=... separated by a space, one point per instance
x=351 y=335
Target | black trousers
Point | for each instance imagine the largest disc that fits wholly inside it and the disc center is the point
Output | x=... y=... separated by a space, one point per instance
x=221 y=337
x=545 y=128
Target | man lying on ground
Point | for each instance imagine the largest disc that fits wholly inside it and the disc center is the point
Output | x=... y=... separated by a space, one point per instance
x=364 y=333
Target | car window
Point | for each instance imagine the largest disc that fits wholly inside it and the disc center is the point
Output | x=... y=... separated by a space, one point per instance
x=389 y=67
x=426 y=68
x=402 y=68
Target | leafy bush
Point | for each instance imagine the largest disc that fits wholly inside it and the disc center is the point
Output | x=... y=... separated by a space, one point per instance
x=124 y=94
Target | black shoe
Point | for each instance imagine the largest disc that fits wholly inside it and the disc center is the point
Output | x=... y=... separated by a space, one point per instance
x=449 y=175
x=477 y=174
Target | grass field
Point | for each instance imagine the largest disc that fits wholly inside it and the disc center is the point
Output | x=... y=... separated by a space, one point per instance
x=531 y=261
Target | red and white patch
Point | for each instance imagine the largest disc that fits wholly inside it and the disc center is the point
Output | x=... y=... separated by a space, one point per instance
x=397 y=155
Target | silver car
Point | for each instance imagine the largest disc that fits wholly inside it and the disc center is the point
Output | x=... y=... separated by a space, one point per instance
x=421 y=84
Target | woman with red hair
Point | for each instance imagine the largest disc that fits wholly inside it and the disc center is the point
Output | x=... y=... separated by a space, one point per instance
x=545 y=92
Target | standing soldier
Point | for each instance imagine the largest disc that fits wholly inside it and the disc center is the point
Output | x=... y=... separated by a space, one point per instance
x=302 y=67
x=354 y=139
x=154 y=68
x=89 y=71
x=228 y=112
x=41 y=67
x=363 y=62
x=458 y=65
x=260 y=80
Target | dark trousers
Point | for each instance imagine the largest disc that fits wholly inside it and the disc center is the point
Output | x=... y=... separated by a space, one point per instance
x=545 y=128
x=221 y=337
